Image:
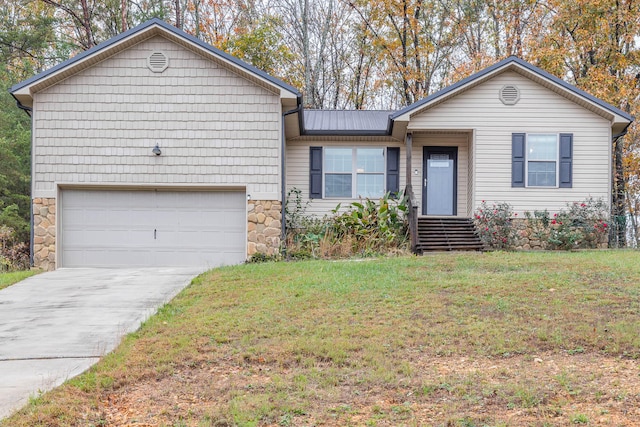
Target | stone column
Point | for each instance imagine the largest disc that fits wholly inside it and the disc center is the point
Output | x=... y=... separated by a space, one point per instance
x=44 y=233
x=264 y=227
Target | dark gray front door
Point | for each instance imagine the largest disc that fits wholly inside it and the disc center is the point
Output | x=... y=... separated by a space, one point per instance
x=439 y=184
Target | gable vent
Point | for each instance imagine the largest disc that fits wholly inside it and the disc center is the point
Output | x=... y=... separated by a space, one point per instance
x=158 y=62
x=509 y=95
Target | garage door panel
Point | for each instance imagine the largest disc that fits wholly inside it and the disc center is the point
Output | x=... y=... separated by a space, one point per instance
x=115 y=238
x=152 y=228
x=118 y=257
x=178 y=218
x=126 y=217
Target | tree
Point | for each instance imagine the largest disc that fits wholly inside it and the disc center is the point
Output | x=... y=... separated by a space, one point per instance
x=414 y=41
x=592 y=43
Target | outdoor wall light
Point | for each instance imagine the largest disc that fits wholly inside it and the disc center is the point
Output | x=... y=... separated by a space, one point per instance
x=415 y=171
x=156 y=150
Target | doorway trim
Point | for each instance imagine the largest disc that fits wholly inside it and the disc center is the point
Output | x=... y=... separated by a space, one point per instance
x=426 y=151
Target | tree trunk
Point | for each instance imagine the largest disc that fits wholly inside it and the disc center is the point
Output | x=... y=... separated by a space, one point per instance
x=123 y=11
x=178 y=14
x=619 y=205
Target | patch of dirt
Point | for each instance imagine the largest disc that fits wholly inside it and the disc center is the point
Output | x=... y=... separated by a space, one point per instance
x=556 y=389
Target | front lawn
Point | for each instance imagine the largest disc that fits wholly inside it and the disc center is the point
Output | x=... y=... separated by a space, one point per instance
x=495 y=339
x=9 y=278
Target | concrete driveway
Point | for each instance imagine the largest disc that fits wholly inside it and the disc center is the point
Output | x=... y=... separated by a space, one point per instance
x=55 y=325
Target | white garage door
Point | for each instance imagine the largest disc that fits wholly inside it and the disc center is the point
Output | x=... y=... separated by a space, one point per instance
x=152 y=228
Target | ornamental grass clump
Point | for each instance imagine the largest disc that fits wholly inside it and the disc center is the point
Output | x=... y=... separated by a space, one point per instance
x=494 y=225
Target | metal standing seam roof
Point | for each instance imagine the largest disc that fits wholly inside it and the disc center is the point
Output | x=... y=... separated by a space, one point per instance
x=346 y=122
x=167 y=27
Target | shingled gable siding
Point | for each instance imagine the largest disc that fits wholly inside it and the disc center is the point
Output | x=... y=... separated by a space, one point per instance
x=214 y=127
x=539 y=111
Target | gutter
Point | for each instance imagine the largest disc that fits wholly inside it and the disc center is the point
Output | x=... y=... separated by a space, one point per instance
x=24 y=108
x=283 y=188
x=614 y=138
x=29 y=111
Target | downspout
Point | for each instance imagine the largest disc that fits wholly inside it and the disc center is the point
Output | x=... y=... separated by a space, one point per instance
x=614 y=138
x=283 y=220
x=29 y=111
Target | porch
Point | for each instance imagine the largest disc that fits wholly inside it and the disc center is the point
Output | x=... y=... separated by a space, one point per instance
x=439 y=183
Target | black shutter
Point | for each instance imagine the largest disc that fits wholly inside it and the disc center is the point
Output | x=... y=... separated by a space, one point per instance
x=517 y=159
x=315 y=173
x=393 y=170
x=566 y=160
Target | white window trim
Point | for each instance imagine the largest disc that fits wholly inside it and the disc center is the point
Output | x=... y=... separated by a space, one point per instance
x=526 y=160
x=354 y=171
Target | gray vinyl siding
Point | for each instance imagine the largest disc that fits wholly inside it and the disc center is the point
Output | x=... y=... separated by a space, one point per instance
x=297 y=166
x=539 y=111
x=214 y=127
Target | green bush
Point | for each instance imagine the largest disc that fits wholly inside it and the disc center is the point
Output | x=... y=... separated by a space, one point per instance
x=582 y=225
x=365 y=228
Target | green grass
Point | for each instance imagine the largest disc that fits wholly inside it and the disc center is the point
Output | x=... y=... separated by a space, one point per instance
x=8 y=279
x=445 y=339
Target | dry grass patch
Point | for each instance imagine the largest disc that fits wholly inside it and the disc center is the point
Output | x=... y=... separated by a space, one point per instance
x=497 y=339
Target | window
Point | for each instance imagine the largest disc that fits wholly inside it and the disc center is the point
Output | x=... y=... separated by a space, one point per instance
x=542 y=160
x=347 y=169
x=338 y=181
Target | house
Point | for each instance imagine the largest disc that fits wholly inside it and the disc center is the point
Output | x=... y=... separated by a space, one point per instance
x=156 y=149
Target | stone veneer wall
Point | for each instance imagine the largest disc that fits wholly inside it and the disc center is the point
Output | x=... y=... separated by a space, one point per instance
x=44 y=233
x=264 y=227
x=527 y=240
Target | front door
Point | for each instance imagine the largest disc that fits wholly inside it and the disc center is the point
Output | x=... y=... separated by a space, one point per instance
x=439 y=183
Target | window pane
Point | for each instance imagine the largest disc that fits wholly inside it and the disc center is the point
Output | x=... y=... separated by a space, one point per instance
x=370 y=185
x=338 y=159
x=542 y=174
x=542 y=147
x=370 y=160
x=337 y=185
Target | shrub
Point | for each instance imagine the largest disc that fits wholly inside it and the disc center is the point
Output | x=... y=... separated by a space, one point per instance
x=304 y=233
x=494 y=226
x=366 y=228
x=371 y=227
x=14 y=254
x=582 y=226
x=260 y=258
